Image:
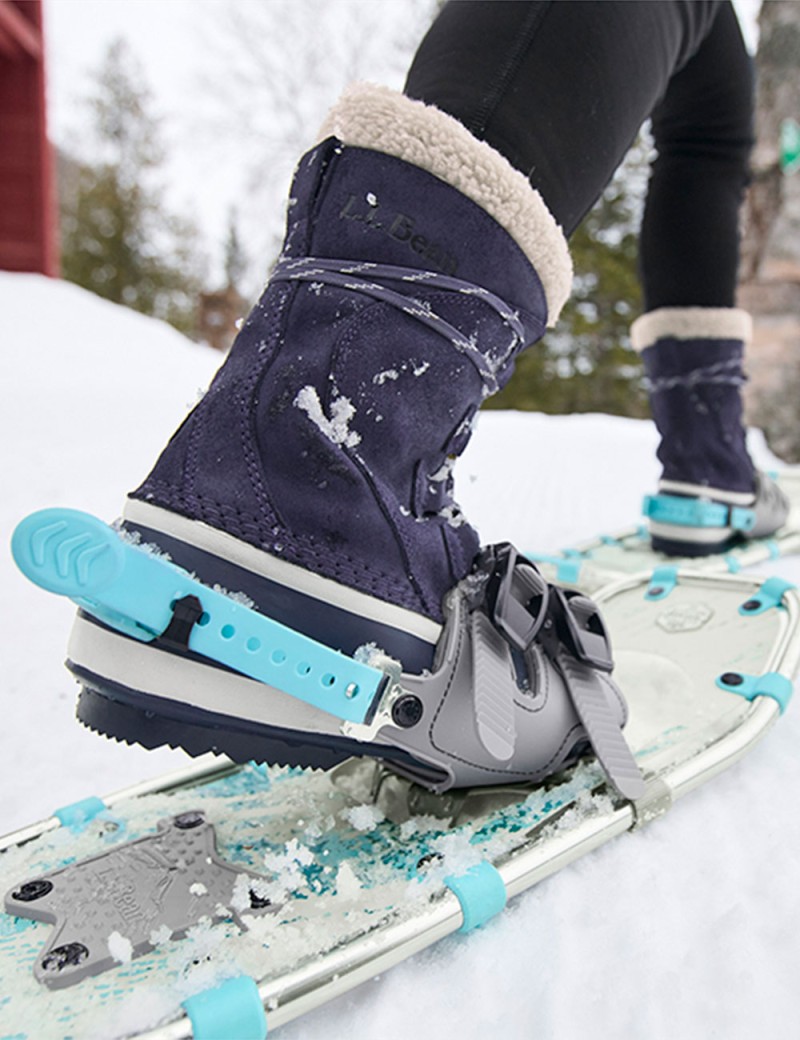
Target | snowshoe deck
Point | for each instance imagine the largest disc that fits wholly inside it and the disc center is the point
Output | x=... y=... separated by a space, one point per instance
x=606 y=558
x=351 y=871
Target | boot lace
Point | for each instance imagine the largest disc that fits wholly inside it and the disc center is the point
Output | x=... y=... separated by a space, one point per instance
x=351 y=276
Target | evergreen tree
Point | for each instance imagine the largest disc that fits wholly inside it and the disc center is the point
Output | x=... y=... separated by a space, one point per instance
x=235 y=255
x=117 y=238
x=586 y=364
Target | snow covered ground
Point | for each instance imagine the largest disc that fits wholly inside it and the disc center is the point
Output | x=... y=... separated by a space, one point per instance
x=689 y=928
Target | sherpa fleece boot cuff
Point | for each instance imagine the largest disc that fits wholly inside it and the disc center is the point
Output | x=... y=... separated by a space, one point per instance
x=375 y=117
x=691 y=323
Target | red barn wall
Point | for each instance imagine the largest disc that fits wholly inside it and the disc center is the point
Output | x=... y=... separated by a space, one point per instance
x=28 y=223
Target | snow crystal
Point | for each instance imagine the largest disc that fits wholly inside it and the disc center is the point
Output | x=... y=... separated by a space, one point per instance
x=419 y=824
x=380 y=377
x=134 y=538
x=120 y=948
x=367 y=652
x=445 y=471
x=161 y=935
x=453 y=515
x=451 y=855
x=238 y=597
x=198 y=889
x=363 y=817
x=347 y=884
x=416 y=369
x=286 y=868
x=337 y=428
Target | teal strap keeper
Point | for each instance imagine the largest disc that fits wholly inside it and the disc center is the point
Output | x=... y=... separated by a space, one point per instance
x=768 y=597
x=133 y=591
x=233 y=1009
x=771 y=684
x=77 y=815
x=576 y=554
x=481 y=893
x=567 y=569
x=662 y=581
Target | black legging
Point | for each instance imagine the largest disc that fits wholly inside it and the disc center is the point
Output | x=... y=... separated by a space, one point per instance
x=561 y=88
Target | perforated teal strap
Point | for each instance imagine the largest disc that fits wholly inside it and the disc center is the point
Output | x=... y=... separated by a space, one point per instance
x=134 y=591
x=696 y=512
x=233 y=1009
x=481 y=893
x=771 y=684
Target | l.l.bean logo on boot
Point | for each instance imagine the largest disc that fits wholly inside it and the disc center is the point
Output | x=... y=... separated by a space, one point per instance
x=401 y=227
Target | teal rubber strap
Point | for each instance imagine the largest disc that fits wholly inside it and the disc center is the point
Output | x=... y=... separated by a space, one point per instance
x=481 y=893
x=771 y=684
x=77 y=815
x=233 y=1009
x=768 y=597
x=662 y=581
x=134 y=591
x=576 y=554
x=567 y=570
x=695 y=512
x=743 y=519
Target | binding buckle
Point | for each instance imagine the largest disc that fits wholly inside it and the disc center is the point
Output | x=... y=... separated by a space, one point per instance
x=580 y=628
x=522 y=606
x=517 y=596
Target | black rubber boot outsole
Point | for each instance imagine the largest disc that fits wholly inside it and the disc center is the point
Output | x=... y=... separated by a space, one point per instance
x=692 y=550
x=133 y=717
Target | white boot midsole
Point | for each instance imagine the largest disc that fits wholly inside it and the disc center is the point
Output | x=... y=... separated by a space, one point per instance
x=249 y=557
x=143 y=668
x=702 y=491
x=693 y=535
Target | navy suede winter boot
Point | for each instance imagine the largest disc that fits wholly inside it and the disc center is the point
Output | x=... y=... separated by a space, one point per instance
x=710 y=495
x=315 y=476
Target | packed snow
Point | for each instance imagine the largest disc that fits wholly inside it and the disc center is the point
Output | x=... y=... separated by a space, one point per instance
x=688 y=928
x=336 y=428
